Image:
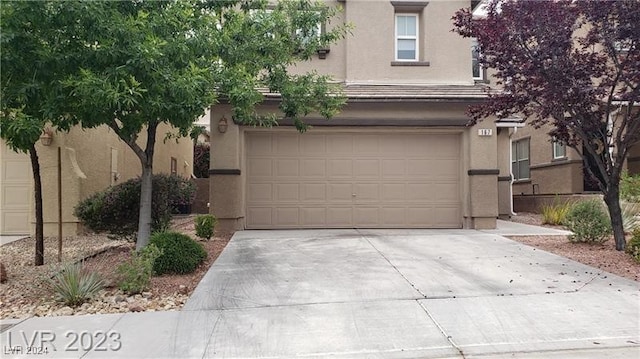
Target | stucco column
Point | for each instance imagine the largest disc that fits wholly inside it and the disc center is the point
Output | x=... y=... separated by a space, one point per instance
x=482 y=176
x=504 y=177
x=226 y=197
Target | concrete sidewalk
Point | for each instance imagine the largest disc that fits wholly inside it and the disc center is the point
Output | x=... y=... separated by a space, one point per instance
x=370 y=293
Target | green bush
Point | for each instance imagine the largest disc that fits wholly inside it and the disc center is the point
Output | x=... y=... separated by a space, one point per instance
x=116 y=209
x=73 y=285
x=136 y=273
x=205 y=225
x=630 y=187
x=180 y=253
x=555 y=213
x=633 y=247
x=589 y=222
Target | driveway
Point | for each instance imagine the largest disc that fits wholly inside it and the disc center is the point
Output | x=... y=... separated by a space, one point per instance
x=380 y=294
x=411 y=293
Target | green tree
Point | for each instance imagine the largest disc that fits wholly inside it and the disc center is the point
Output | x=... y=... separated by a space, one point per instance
x=145 y=63
x=30 y=84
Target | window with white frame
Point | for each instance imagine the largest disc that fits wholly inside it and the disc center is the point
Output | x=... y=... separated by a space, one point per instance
x=559 y=149
x=520 y=159
x=476 y=69
x=406 y=37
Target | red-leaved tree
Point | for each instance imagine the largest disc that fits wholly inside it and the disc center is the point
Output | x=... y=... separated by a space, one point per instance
x=572 y=64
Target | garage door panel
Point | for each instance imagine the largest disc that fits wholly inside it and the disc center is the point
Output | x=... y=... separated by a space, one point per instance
x=288 y=217
x=287 y=192
x=339 y=192
x=260 y=145
x=260 y=167
x=366 y=192
x=340 y=144
x=366 y=169
x=314 y=192
x=340 y=217
x=366 y=145
x=313 y=146
x=393 y=192
x=393 y=216
x=259 y=217
x=445 y=192
x=338 y=180
x=287 y=168
x=16 y=171
x=340 y=168
x=286 y=145
x=315 y=168
x=366 y=216
x=443 y=216
x=14 y=196
x=393 y=169
x=416 y=215
x=313 y=217
x=260 y=192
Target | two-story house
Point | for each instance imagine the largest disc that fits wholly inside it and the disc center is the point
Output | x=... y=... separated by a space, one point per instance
x=399 y=155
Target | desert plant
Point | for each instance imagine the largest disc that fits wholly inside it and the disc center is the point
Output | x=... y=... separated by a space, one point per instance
x=116 y=209
x=589 y=222
x=201 y=160
x=630 y=187
x=180 y=253
x=74 y=285
x=136 y=273
x=633 y=247
x=204 y=225
x=630 y=216
x=555 y=213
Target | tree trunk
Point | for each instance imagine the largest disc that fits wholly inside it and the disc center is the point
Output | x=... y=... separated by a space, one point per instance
x=37 y=189
x=144 y=221
x=612 y=199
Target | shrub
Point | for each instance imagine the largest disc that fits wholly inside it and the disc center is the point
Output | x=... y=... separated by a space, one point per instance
x=201 y=159
x=205 y=225
x=74 y=285
x=136 y=273
x=633 y=247
x=589 y=222
x=630 y=216
x=630 y=187
x=180 y=253
x=116 y=209
x=555 y=213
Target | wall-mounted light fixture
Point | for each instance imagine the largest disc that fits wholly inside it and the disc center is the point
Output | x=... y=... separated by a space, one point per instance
x=47 y=137
x=222 y=125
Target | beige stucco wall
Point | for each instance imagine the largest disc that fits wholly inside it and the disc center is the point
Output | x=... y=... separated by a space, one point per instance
x=366 y=54
x=87 y=168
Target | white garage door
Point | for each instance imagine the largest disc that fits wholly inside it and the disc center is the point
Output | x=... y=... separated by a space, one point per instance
x=15 y=192
x=353 y=180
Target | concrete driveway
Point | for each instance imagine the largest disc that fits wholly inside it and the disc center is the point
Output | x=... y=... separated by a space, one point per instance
x=411 y=293
x=374 y=294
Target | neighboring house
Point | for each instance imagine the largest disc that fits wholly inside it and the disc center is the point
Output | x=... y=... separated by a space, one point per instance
x=92 y=160
x=545 y=170
x=399 y=155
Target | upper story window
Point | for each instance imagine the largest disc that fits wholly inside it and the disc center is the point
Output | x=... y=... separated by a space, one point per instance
x=559 y=150
x=406 y=37
x=476 y=69
x=520 y=159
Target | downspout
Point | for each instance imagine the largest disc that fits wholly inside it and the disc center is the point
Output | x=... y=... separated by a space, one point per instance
x=515 y=130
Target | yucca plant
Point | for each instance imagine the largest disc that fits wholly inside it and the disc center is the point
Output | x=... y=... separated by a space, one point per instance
x=555 y=213
x=73 y=285
x=630 y=216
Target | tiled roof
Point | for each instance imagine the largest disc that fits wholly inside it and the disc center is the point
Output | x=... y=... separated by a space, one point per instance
x=408 y=92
